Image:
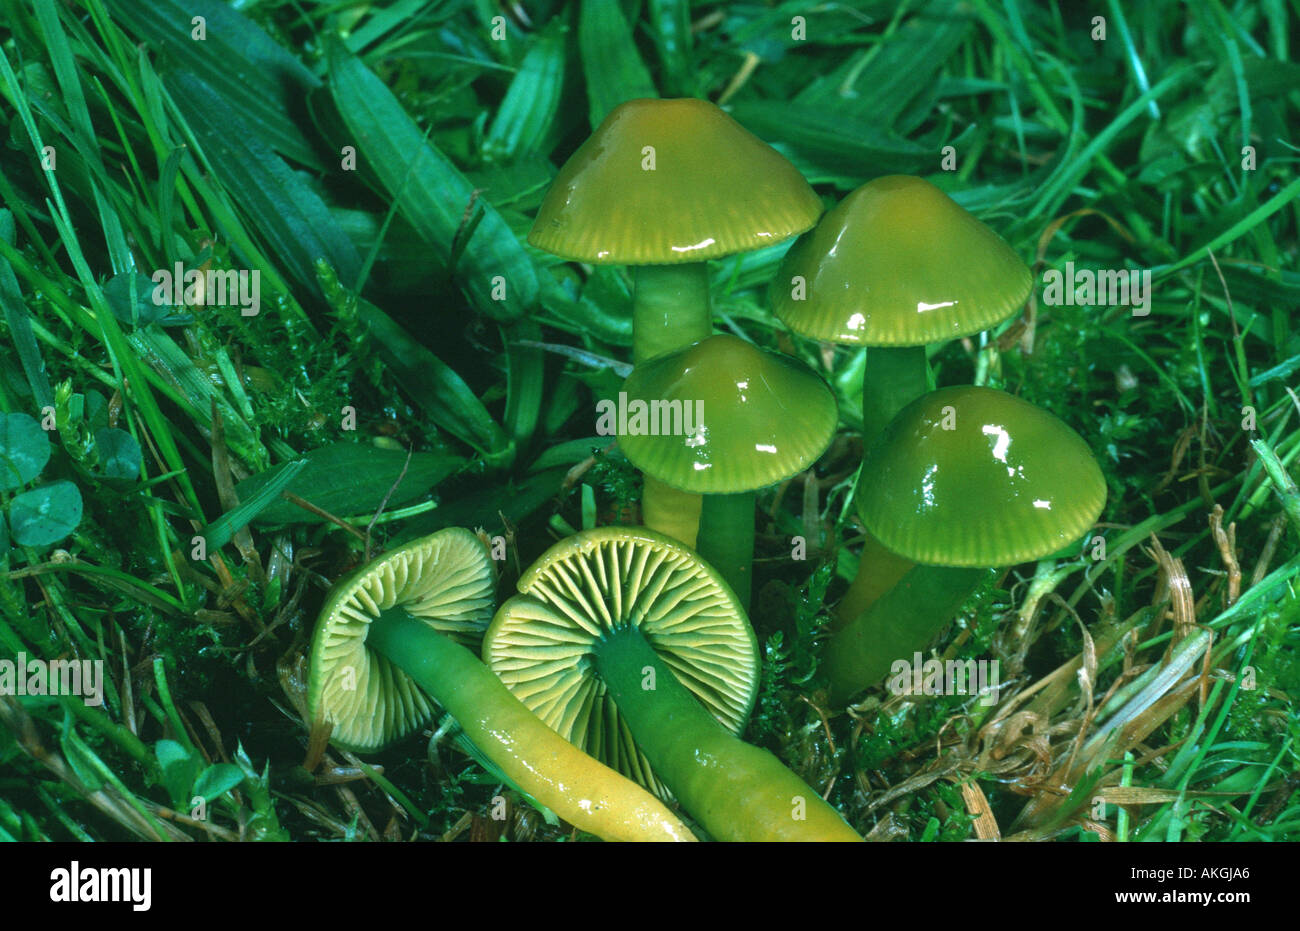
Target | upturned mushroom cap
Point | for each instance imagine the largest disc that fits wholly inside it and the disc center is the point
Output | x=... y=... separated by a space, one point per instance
x=445 y=579
x=977 y=477
x=899 y=263
x=600 y=581
x=714 y=189
x=756 y=417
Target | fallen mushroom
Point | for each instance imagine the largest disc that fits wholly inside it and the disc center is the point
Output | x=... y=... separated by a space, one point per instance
x=390 y=643
x=628 y=644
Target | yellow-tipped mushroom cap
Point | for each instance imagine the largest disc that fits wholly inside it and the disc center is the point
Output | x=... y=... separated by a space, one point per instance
x=898 y=263
x=667 y=181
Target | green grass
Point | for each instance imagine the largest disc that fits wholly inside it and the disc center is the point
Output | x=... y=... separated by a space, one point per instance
x=378 y=297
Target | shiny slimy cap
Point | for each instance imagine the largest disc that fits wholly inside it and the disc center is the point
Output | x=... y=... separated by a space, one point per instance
x=977 y=477
x=898 y=263
x=723 y=416
x=666 y=181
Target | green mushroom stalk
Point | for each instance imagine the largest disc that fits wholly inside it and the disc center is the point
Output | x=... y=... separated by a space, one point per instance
x=670 y=308
x=736 y=790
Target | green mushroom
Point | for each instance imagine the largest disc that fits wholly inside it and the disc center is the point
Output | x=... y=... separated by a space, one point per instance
x=756 y=418
x=895 y=266
x=664 y=186
x=626 y=643
x=968 y=478
x=391 y=641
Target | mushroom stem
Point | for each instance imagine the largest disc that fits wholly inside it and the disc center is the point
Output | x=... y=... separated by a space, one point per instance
x=903 y=620
x=879 y=570
x=737 y=791
x=895 y=376
x=576 y=787
x=671 y=512
x=726 y=540
x=670 y=308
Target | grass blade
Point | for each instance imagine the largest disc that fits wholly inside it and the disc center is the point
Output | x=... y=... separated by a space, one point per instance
x=610 y=59
x=258 y=498
x=435 y=386
x=294 y=221
x=236 y=58
x=530 y=104
x=342 y=478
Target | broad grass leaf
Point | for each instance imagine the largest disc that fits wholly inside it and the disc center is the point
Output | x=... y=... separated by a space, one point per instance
x=877 y=85
x=832 y=142
x=670 y=28
x=349 y=478
x=516 y=500
x=436 y=387
x=497 y=275
x=524 y=118
x=291 y=218
x=255 y=75
x=18 y=318
x=610 y=60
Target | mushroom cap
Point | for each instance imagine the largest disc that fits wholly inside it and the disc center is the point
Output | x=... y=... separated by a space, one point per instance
x=445 y=579
x=1007 y=483
x=715 y=189
x=597 y=582
x=749 y=418
x=899 y=263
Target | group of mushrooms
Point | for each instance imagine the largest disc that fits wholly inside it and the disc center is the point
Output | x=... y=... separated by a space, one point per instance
x=620 y=675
